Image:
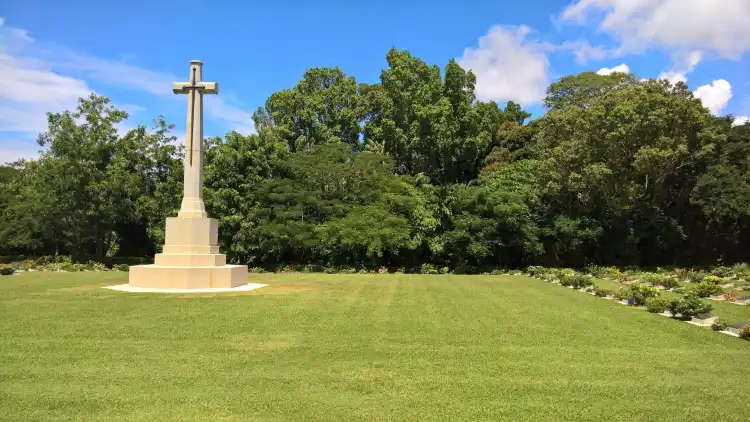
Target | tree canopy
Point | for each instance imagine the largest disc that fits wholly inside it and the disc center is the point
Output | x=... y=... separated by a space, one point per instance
x=409 y=171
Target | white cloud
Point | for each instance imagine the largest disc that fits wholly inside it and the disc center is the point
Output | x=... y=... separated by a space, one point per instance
x=682 y=63
x=740 y=120
x=583 y=51
x=622 y=68
x=718 y=26
x=673 y=77
x=508 y=67
x=715 y=96
x=38 y=79
x=235 y=118
x=30 y=90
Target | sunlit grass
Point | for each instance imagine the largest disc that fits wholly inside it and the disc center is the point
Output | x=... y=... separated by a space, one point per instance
x=356 y=347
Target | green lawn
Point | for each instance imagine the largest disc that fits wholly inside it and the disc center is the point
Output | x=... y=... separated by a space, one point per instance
x=356 y=347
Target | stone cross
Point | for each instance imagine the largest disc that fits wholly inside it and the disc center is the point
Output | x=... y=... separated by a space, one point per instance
x=192 y=200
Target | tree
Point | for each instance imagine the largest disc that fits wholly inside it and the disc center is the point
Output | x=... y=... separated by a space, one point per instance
x=579 y=90
x=323 y=107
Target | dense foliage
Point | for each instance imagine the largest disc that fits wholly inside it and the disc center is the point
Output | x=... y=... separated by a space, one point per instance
x=410 y=172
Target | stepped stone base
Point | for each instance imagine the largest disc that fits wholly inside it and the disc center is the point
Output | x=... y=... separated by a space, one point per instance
x=170 y=277
x=191 y=259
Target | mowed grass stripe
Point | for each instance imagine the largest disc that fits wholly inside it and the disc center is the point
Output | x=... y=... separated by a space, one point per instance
x=346 y=347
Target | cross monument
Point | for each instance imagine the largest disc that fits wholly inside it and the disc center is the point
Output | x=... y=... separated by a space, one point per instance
x=191 y=258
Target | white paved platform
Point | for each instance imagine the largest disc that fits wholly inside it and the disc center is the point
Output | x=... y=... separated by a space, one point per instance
x=134 y=289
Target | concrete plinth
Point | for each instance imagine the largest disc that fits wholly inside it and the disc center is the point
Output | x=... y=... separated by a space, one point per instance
x=191 y=259
x=163 y=277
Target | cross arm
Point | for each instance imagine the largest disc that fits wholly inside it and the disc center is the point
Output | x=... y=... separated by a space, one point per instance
x=202 y=87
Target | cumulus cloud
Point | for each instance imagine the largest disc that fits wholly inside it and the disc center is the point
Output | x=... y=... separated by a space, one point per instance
x=621 y=68
x=508 y=66
x=718 y=26
x=715 y=95
x=682 y=64
x=740 y=120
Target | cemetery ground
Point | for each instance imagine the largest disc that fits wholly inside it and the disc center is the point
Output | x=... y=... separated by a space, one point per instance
x=357 y=347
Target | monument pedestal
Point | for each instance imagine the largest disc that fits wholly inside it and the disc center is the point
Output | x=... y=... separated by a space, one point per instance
x=191 y=259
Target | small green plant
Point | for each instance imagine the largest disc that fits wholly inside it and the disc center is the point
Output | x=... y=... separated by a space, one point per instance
x=745 y=332
x=445 y=270
x=256 y=270
x=638 y=293
x=536 y=271
x=712 y=279
x=428 y=269
x=96 y=266
x=706 y=289
x=604 y=292
x=669 y=283
x=657 y=305
x=690 y=306
x=721 y=271
x=578 y=281
x=6 y=270
x=695 y=276
x=719 y=326
x=121 y=267
x=741 y=270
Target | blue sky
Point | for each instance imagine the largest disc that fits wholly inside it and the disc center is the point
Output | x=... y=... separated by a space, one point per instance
x=52 y=52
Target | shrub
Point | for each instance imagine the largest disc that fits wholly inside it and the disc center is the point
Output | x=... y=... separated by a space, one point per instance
x=6 y=270
x=689 y=306
x=621 y=294
x=445 y=270
x=721 y=271
x=740 y=270
x=536 y=271
x=96 y=266
x=719 y=326
x=26 y=264
x=745 y=332
x=712 y=279
x=624 y=277
x=639 y=293
x=657 y=305
x=705 y=289
x=695 y=276
x=312 y=268
x=121 y=267
x=72 y=267
x=604 y=292
x=603 y=272
x=256 y=270
x=577 y=281
x=669 y=283
x=428 y=269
